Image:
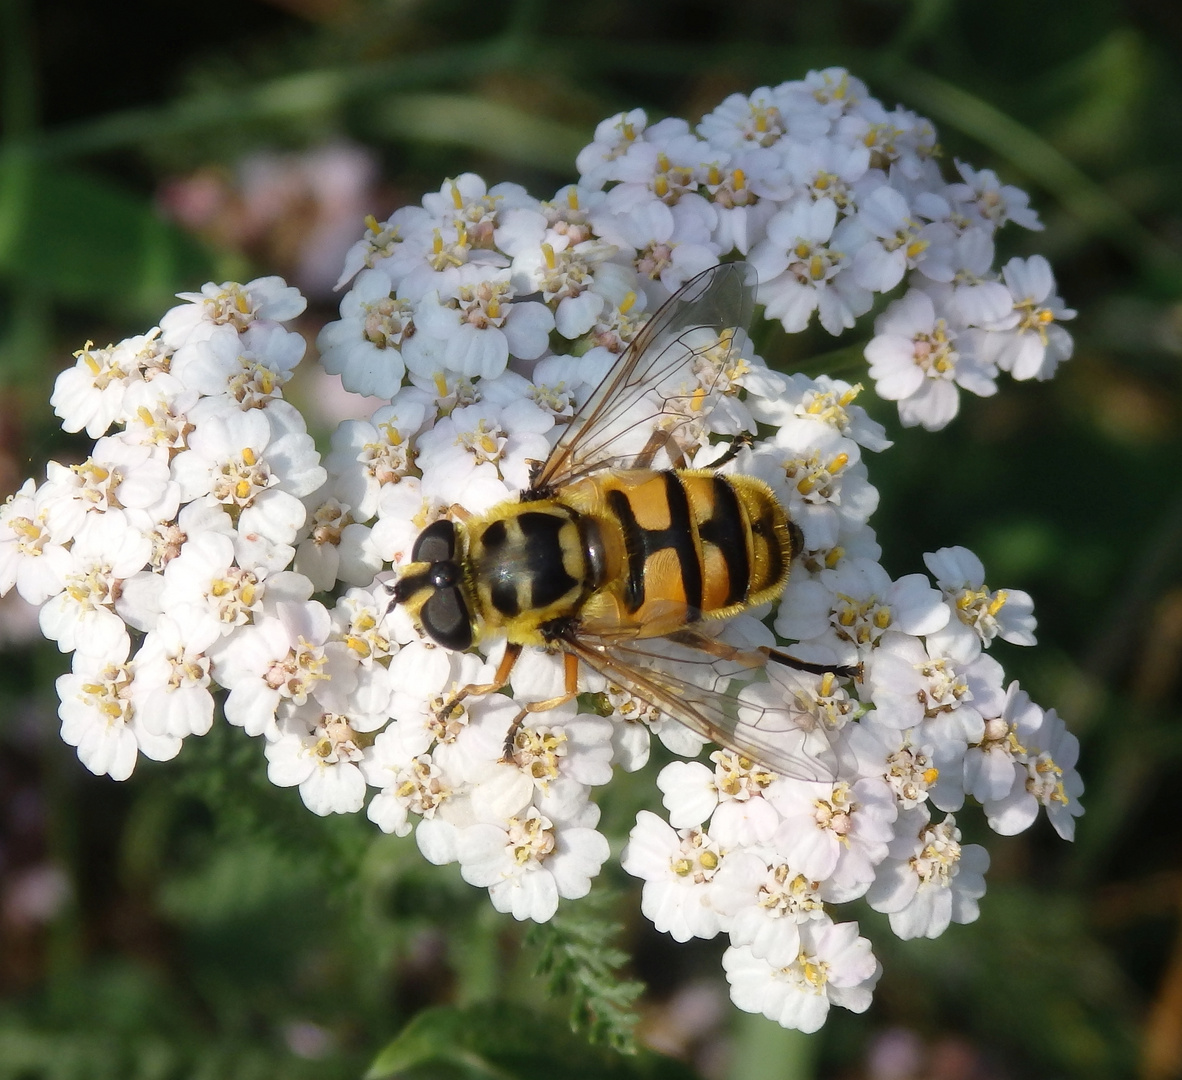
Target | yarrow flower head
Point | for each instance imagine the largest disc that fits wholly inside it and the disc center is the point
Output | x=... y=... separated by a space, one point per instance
x=203 y=553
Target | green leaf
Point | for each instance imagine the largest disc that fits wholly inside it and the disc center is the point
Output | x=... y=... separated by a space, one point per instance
x=494 y=127
x=77 y=238
x=500 y=1041
x=578 y=957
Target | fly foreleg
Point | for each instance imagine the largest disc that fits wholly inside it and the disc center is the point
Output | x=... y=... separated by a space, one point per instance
x=499 y=679
x=570 y=675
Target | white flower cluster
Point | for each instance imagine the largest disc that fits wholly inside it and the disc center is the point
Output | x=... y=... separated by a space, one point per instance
x=831 y=197
x=203 y=545
x=760 y=856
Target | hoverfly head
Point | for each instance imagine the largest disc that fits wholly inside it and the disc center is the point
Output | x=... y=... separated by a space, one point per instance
x=431 y=588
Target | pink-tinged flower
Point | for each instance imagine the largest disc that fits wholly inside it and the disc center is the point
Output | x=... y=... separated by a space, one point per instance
x=101 y=717
x=930 y=879
x=320 y=752
x=266 y=299
x=1004 y=613
x=835 y=833
x=286 y=658
x=804 y=266
x=919 y=358
x=835 y=966
x=30 y=558
x=531 y=863
x=1029 y=343
x=678 y=867
x=1047 y=777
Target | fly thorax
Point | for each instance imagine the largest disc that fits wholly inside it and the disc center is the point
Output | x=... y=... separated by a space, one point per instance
x=528 y=564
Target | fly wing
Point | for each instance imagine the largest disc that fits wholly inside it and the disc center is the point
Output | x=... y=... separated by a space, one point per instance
x=714 y=696
x=652 y=383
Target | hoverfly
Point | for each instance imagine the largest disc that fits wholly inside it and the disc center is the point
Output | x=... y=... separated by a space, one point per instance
x=621 y=565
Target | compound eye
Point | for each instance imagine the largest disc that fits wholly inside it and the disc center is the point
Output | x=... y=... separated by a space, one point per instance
x=436 y=543
x=445 y=619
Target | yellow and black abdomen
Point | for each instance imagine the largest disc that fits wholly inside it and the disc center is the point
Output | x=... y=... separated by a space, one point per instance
x=638 y=552
x=680 y=545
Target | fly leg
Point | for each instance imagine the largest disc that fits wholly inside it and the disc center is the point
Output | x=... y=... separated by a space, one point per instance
x=758 y=657
x=499 y=679
x=842 y=671
x=658 y=441
x=732 y=451
x=570 y=675
x=446 y=709
x=665 y=440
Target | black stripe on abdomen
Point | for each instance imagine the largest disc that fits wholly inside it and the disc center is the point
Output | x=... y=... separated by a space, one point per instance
x=680 y=537
x=726 y=531
x=634 y=548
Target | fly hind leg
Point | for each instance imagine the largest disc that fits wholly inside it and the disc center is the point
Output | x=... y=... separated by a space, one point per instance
x=667 y=441
x=737 y=443
x=661 y=439
x=758 y=657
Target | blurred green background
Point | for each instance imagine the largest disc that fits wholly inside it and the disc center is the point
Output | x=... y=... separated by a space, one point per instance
x=197 y=922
